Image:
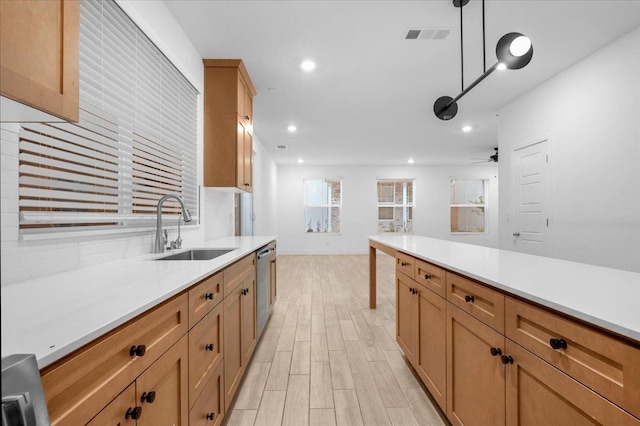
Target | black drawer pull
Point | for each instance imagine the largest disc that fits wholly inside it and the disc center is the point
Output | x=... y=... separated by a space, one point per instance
x=403 y=263
x=209 y=296
x=209 y=347
x=496 y=351
x=210 y=416
x=148 y=397
x=139 y=350
x=558 y=343
x=427 y=276
x=506 y=359
x=469 y=299
x=133 y=413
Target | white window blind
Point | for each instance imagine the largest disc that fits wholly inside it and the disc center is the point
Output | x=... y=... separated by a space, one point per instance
x=134 y=143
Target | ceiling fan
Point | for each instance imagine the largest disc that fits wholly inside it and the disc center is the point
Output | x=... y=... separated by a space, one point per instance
x=492 y=158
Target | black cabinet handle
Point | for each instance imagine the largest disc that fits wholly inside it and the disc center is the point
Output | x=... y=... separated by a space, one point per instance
x=403 y=263
x=209 y=296
x=496 y=351
x=411 y=290
x=469 y=299
x=246 y=117
x=148 y=397
x=209 y=347
x=558 y=343
x=506 y=359
x=210 y=416
x=139 y=350
x=427 y=276
x=133 y=413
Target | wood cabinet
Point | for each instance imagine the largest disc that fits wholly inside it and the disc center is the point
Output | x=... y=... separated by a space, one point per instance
x=475 y=377
x=420 y=332
x=206 y=349
x=204 y=297
x=39 y=65
x=239 y=332
x=209 y=408
x=122 y=411
x=506 y=360
x=228 y=125
x=539 y=394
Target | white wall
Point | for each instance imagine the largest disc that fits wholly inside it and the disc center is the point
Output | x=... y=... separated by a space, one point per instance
x=359 y=211
x=265 y=191
x=591 y=112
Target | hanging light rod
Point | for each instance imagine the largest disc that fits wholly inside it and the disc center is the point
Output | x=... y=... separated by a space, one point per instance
x=514 y=51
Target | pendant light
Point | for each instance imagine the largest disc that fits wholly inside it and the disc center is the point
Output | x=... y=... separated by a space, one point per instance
x=514 y=51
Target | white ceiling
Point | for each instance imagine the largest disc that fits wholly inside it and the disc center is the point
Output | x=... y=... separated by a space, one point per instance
x=370 y=99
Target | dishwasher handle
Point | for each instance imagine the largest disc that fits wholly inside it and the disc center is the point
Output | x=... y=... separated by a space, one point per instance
x=265 y=252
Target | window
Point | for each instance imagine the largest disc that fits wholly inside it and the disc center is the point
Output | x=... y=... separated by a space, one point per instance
x=395 y=205
x=468 y=205
x=134 y=143
x=322 y=205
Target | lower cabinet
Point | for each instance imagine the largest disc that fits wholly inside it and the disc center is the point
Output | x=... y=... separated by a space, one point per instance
x=122 y=411
x=475 y=377
x=539 y=394
x=539 y=369
x=239 y=333
x=209 y=408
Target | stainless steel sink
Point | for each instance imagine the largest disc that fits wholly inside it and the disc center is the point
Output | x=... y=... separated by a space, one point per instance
x=196 y=254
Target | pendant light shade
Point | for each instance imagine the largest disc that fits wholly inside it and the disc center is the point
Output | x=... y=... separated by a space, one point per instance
x=514 y=50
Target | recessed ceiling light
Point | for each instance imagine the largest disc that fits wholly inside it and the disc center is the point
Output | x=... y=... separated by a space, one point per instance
x=501 y=66
x=411 y=161
x=467 y=129
x=300 y=161
x=292 y=128
x=308 y=66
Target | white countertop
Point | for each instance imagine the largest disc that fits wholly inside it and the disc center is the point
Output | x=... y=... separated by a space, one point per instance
x=53 y=316
x=608 y=298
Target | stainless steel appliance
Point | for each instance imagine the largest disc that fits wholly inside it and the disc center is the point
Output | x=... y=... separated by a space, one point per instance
x=23 y=402
x=262 y=290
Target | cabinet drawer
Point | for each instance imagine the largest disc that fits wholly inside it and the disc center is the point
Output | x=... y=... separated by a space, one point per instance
x=204 y=297
x=538 y=394
x=430 y=276
x=602 y=363
x=79 y=386
x=405 y=264
x=477 y=299
x=209 y=408
x=235 y=274
x=205 y=351
x=116 y=412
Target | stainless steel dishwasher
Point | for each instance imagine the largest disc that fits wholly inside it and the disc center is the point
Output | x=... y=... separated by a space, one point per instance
x=262 y=291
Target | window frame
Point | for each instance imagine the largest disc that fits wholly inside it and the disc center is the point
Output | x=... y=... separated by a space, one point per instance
x=328 y=205
x=484 y=205
x=393 y=205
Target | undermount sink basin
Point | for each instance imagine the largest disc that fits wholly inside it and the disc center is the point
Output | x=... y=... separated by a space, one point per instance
x=196 y=254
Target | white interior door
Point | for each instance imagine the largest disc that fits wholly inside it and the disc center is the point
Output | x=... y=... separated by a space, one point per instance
x=532 y=199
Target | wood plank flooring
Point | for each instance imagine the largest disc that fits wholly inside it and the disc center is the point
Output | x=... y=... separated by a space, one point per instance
x=325 y=358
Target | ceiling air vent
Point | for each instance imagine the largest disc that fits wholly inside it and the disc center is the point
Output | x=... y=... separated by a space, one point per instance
x=427 y=33
x=281 y=146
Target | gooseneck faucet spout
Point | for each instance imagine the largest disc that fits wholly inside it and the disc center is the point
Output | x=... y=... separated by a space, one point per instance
x=160 y=239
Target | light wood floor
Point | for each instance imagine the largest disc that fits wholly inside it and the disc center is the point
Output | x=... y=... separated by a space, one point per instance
x=327 y=359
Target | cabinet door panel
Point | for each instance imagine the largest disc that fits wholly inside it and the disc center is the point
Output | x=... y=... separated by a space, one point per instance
x=475 y=378
x=233 y=367
x=248 y=160
x=406 y=316
x=539 y=394
x=477 y=299
x=430 y=276
x=235 y=274
x=431 y=355
x=204 y=297
x=209 y=408
x=168 y=378
x=205 y=351
x=115 y=414
x=39 y=63
x=606 y=365
x=405 y=264
x=249 y=324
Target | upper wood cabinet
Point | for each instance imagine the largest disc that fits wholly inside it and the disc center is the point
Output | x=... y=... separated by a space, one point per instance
x=228 y=124
x=39 y=55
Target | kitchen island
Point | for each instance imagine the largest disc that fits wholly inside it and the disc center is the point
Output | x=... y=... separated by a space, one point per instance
x=500 y=337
